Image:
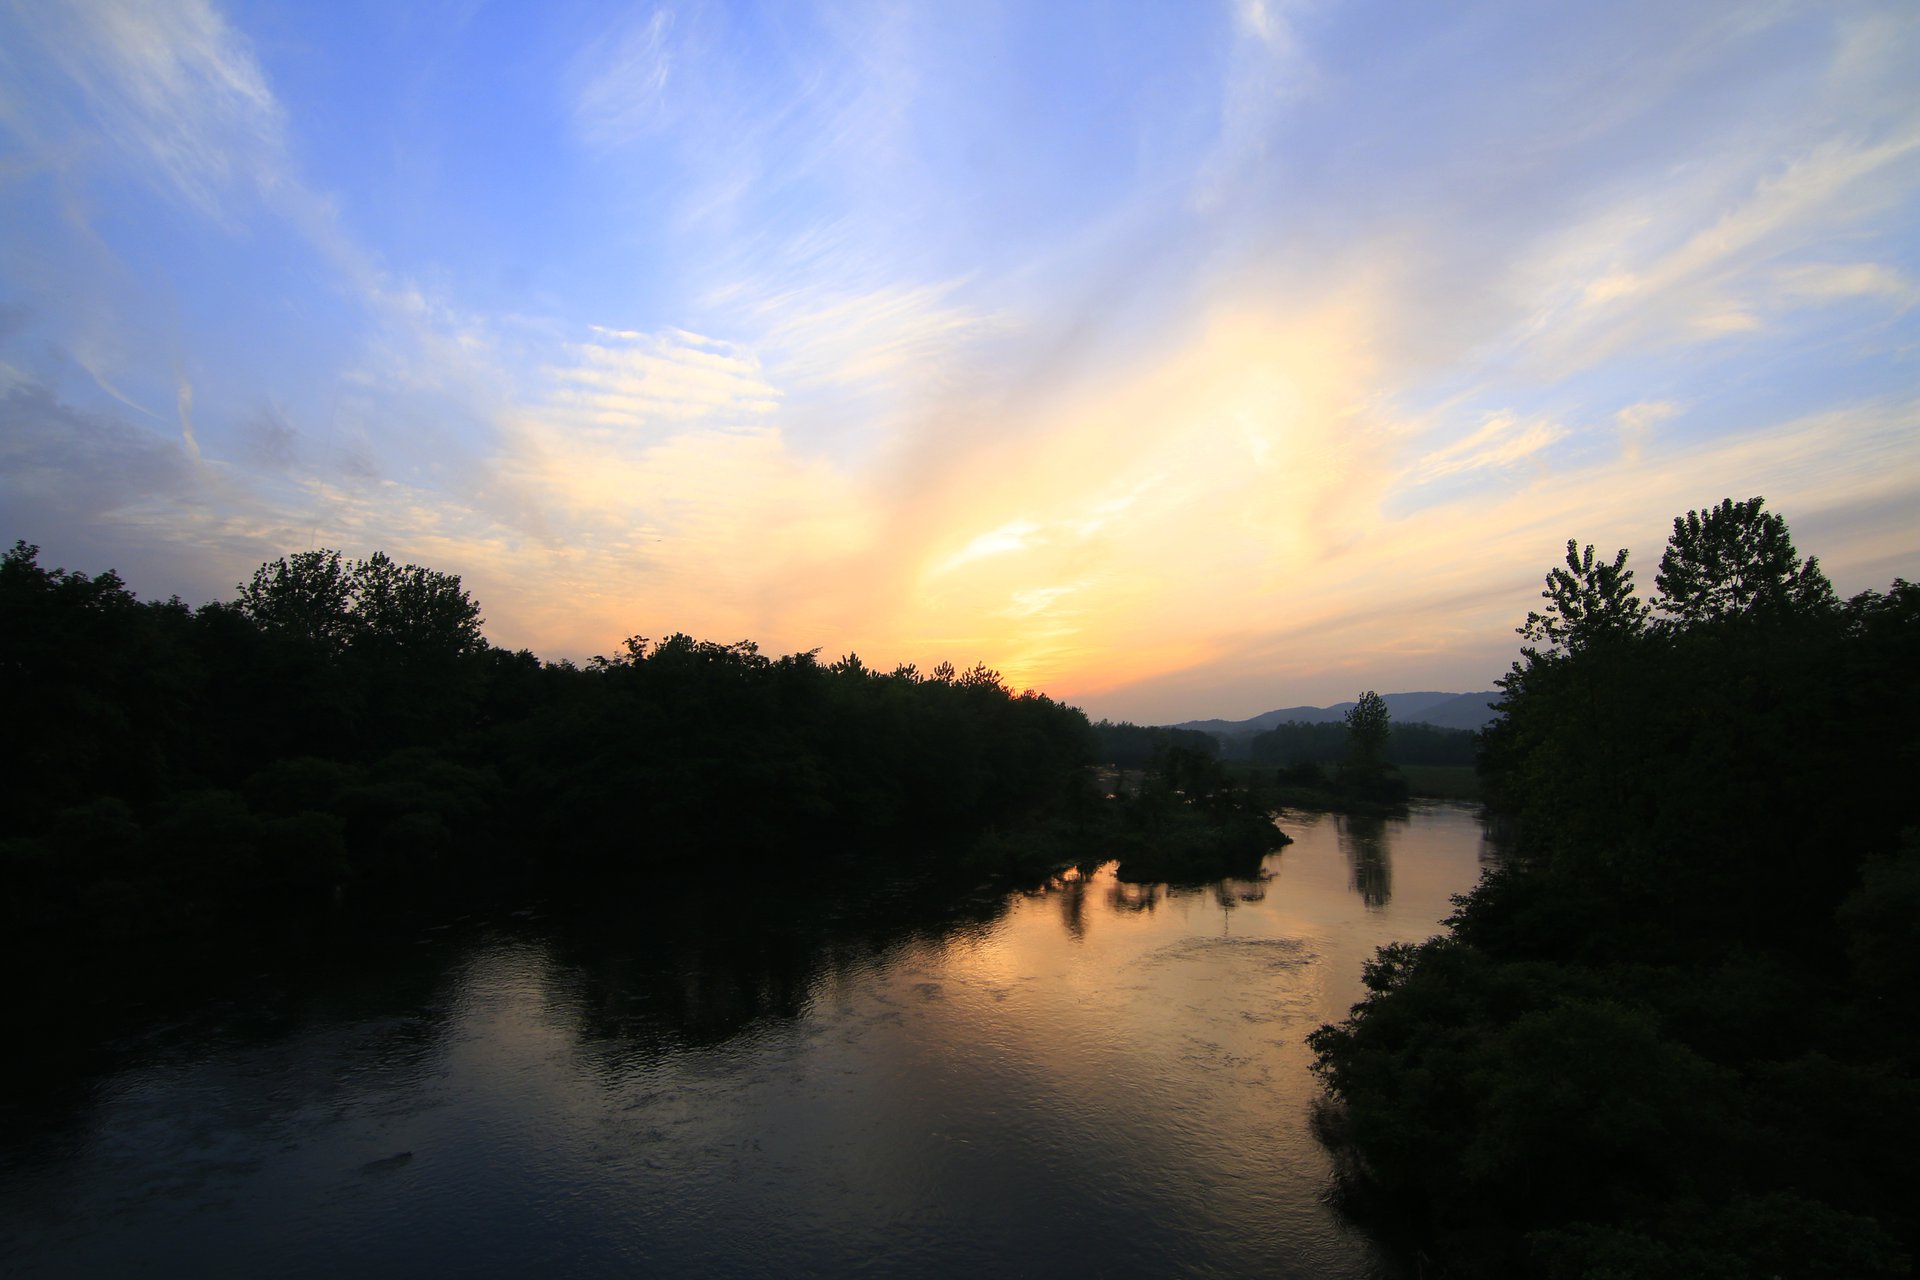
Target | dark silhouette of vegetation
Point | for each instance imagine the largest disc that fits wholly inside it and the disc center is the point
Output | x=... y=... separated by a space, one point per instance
x=342 y=739
x=1365 y=777
x=1189 y=822
x=1368 y=725
x=1733 y=561
x=341 y=734
x=1296 y=742
x=1668 y=1035
x=1353 y=764
x=1137 y=746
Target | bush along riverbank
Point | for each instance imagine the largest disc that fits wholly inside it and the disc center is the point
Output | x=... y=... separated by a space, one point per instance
x=1668 y=1036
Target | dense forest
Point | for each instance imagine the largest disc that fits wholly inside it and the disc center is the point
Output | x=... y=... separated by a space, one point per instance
x=341 y=730
x=1671 y=1035
x=1140 y=746
x=341 y=737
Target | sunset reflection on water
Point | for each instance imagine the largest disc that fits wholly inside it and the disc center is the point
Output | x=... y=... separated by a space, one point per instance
x=1090 y=1077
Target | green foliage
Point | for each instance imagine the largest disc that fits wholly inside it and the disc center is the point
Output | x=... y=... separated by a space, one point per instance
x=95 y=686
x=1665 y=1038
x=306 y=597
x=412 y=608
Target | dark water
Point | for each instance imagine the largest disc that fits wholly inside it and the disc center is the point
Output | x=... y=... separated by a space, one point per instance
x=738 y=1080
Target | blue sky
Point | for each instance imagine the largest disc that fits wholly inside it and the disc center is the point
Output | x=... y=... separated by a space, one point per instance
x=1178 y=359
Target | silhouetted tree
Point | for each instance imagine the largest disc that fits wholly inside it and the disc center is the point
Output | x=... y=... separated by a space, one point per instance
x=414 y=609
x=1736 y=559
x=1368 y=726
x=1586 y=601
x=318 y=597
x=307 y=596
x=1661 y=1037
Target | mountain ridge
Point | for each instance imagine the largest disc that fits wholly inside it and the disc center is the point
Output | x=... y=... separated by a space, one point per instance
x=1443 y=710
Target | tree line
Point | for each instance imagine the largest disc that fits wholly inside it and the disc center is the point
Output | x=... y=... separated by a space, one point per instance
x=341 y=731
x=1300 y=742
x=1668 y=1034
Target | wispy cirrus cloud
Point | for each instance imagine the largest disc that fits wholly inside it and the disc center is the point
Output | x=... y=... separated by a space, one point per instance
x=1505 y=440
x=621 y=80
x=1833 y=282
x=873 y=341
x=632 y=380
x=1722 y=250
x=170 y=86
x=1467 y=570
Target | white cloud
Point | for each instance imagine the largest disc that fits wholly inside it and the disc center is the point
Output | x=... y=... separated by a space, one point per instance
x=170 y=85
x=872 y=339
x=1718 y=251
x=622 y=80
x=1838 y=281
x=1016 y=535
x=1505 y=439
x=1268 y=69
x=637 y=380
x=1039 y=600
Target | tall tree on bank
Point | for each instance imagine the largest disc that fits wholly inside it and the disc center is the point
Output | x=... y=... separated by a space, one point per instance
x=1664 y=1036
x=1592 y=614
x=1368 y=726
x=1735 y=560
x=1366 y=776
x=1588 y=602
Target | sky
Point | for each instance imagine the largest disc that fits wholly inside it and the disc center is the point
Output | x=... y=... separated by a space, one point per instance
x=1176 y=359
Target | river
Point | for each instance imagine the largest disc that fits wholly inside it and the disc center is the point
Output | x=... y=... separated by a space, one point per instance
x=733 y=1079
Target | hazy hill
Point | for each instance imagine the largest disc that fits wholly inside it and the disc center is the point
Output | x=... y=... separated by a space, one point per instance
x=1445 y=710
x=1468 y=711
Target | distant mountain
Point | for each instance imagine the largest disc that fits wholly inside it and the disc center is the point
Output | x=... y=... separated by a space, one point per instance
x=1468 y=711
x=1446 y=710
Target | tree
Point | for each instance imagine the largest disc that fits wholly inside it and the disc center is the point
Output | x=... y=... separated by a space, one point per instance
x=414 y=608
x=1734 y=560
x=1591 y=1073
x=1366 y=777
x=1368 y=726
x=307 y=595
x=317 y=596
x=93 y=684
x=1586 y=602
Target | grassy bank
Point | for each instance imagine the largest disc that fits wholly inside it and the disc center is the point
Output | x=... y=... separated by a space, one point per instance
x=1442 y=781
x=1424 y=781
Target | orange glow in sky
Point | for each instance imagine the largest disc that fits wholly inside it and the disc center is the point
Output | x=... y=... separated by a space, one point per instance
x=1180 y=361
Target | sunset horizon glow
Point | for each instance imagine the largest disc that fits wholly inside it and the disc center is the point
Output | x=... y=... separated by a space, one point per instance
x=1177 y=360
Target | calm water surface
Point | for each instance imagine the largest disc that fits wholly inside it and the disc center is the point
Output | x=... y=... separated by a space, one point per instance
x=1095 y=1078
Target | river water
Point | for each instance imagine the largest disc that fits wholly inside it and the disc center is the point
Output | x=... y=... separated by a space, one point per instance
x=734 y=1079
